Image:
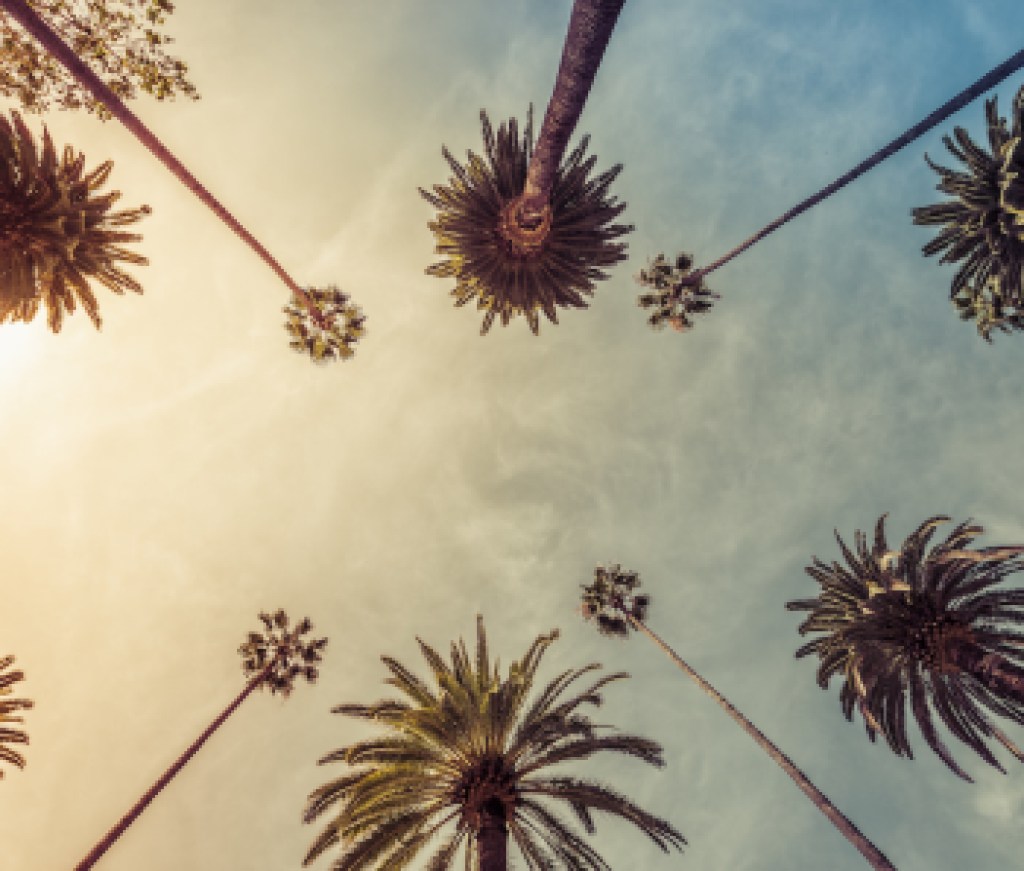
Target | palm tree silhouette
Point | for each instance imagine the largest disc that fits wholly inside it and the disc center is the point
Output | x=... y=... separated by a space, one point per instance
x=909 y=621
x=474 y=753
x=56 y=231
x=986 y=82
x=523 y=232
x=984 y=224
x=329 y=335
x=8 y=706
x=613 y=602
x=273 y=659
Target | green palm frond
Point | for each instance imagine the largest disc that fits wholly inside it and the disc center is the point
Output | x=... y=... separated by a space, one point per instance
x=8 y=707
x=673 y=299
x=903 y=626
x=467 y=753
x=332 y=334
x=983 y=226
x=292 y=655
x=57 y=232
x=510 y=271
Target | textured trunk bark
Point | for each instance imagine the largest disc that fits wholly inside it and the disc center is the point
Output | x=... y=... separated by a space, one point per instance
x=21 y=12
x=992 y=670
x=492 y=843
x=870 y=852
x=590 y=28
x=96 y=852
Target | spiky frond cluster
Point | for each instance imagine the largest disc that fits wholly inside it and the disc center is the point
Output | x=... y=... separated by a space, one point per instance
x=984 y=224
x=894 y=623
x=56 y=231
x=471 y=749
x=8 y=734
x=612 y=599
x=673 y=299
x=508 y=277
x=292 y=655
x=339 y=327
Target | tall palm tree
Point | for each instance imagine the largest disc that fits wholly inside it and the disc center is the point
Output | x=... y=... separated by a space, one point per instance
x=525 y=232
x=334 y=338
x=909 y=621
x=273 y=659
x=984 y=224
x=474 y=753
x=10 y=735
x=671 y=297
x=613 y=602
x=986 y=82
x=56 y=231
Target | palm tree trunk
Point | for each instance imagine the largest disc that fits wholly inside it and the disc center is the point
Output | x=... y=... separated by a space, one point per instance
x=492 y=843
x=590 y=28
x=44 y=34
x=96 y=852
x=870 y=852
x=993 y=671
x=958 y=102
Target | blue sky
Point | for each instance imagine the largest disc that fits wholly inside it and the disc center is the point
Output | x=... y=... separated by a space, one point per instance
x=170 y=476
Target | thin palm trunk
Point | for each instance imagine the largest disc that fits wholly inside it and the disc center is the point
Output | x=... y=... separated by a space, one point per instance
x=44 y=34
x=958 y=102
x=96 y=852
x=870 y=852
x=590 y=28
x=492 y=843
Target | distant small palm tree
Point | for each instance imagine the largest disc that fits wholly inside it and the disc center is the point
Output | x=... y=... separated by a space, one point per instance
x=328 y=339
x=672 y=298
x=984 y=224
x=910 y=622
x=56 y=232
x=986 y=82
x=474 y=754
x=524 y=232
x=613 y=601
x=8 y=706
x=273 y=659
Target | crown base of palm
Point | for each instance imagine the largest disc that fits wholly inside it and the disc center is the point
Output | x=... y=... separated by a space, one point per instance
x=517 y=265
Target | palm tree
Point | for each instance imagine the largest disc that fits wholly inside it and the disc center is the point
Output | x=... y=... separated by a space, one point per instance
x=334 y=338
x=7 y=709
x=984 y=224
x=525 y=232
x=273 y=659
x=56 y=231
x=672 y=298
x=613 y=602
x=986 y=82
x=473 y=754
x=907 y=620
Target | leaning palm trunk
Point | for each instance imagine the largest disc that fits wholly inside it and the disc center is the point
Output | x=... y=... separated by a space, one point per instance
x=590 y=27
x=983 y=84
x=870 y=852
x=107 y=841
x=41 y=31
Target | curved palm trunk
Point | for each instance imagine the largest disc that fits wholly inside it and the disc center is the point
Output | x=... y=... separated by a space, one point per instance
x=492 y=843
x=958 y=102
x=870 y=852
x=590 y=28
x=96 y=852
x=41 y=31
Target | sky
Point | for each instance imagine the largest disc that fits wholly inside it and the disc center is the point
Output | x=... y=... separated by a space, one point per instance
x=168 y=477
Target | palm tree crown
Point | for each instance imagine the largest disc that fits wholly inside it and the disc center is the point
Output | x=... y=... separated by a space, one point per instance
x=984 y=224
x=56 y=231
x=474 y=754
x=910 y=621
x=283 y=652
x=8 y=706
